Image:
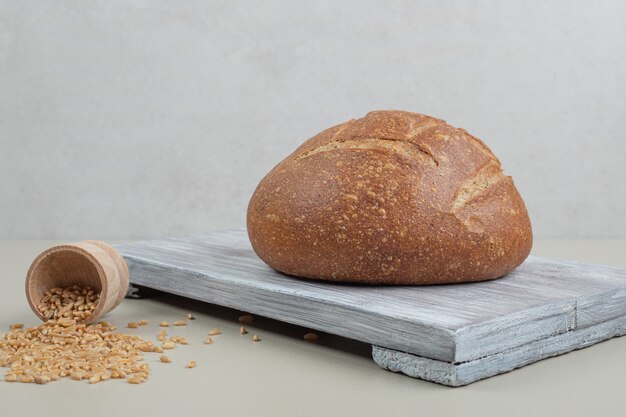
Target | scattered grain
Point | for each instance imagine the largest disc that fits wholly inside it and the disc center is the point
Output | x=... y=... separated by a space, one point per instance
x=311 y=337
x=168 y=345
x=246 y=318
x=256 y=338
x=164 y=324
x=190 y=316
x=143 y=322
x=179 y=339
x=180 y=323
x=208 y=341
x=25 y=378
x=77 y=375
x=146 y=347
x=132 y=325
x=165 y=359
x=214 y=332
x=243 y=330
x=15 y=326
x=63 y=348
x=191 y=364
x=42 y=379
x=136 y=380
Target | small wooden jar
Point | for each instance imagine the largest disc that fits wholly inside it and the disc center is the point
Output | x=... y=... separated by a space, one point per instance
x=89 y=263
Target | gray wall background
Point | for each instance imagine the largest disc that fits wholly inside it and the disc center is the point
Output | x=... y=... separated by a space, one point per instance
x=132 y=118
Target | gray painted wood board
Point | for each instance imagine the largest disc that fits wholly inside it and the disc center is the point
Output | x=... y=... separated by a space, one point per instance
x=452 y=325
x=458 y=374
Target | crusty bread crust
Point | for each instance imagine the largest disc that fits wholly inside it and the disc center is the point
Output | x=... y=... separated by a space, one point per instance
x=391 y=198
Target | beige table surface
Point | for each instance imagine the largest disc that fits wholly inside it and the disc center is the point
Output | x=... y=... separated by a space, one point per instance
x=285 y=376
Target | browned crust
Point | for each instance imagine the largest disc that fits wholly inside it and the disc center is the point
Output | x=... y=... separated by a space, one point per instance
x=391 y=198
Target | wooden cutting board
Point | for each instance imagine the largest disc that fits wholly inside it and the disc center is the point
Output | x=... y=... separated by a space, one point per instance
x=450 y=334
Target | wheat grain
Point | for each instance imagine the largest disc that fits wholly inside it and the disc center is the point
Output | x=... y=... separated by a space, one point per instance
x=311 y=337
x=73 y=302
x=63 y=348
x=246 y=318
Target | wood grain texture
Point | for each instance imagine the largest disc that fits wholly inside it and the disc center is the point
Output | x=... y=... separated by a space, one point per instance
x=454 y=324
x=458 y=374
x=89 y=263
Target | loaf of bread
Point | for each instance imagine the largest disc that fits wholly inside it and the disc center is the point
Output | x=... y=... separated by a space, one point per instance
x=391 y=198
